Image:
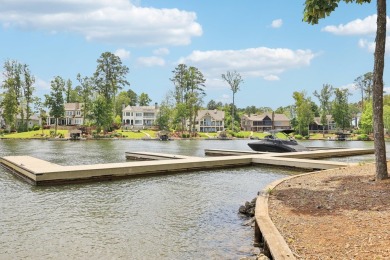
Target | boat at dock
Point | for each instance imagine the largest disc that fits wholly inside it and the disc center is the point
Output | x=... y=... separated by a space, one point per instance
x=273 y=144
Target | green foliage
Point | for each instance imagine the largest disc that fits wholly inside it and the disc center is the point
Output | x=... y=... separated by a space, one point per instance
x=298 y=137
x=340 y=108
x=55 y=101
x=234 y=80
x=366 y=121
x=188 y=94
x=319 y=9
x=304 y=113
x=363 y=137
x=144 y=99
x=102 y=114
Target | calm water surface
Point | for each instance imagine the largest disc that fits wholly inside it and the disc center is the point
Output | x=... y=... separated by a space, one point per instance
x=189 y=215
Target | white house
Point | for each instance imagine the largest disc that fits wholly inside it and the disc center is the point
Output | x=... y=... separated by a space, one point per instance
x=139 y=117
x=73 y=115
x=210 y=121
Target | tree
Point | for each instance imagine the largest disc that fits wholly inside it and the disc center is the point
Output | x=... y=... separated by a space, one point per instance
x=164 y=117
x=234 y=80
x=304 y=112
x=85 y=93
x=28 y=90
x=325 y=104
x=365 y=122
x=340 y=108
x=144 y=99
x=122 y=100
x=317 y=9
x=55 y=101
x=68 y=92
x=364 y=84
x=188 y=94
x=133 y=97
x=10 y=106
x=212 y=105
x=101 y=114
x=110 y=76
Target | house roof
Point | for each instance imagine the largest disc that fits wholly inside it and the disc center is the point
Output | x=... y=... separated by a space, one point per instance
x=217 y=115
x=32 y=117
x=140 y=108
x=73 y=106
x=317 y=119
x=277 y=117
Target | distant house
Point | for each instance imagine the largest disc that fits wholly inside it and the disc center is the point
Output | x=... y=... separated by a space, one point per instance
x=73 y=115
x=33 y=120
x=139 y=117
x=264 y=122
x=316 y=125
x=210 y=121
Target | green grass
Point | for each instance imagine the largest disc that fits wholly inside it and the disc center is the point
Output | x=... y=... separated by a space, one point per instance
x=259 y=135
x=33 y=134
x=133 y=135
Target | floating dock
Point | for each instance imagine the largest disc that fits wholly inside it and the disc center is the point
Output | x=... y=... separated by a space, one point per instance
x=40 y=172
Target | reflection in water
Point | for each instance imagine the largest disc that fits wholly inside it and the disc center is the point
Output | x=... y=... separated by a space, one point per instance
x=179 y=216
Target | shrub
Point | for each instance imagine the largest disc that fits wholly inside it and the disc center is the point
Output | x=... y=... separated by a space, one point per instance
x=36 y=127
x=363 y=137
x=298 y=137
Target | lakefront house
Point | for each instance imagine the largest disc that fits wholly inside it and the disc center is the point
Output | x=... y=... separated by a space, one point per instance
x=265 y=122
x=210 y=121
x=73 y=115
x=139 y=117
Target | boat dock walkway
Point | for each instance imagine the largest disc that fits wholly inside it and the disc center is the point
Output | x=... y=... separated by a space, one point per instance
x=40 y=172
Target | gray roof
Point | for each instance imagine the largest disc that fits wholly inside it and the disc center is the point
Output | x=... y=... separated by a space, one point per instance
x=140 y=109
x=73 y=106
x=277 y=117
x=217 y=115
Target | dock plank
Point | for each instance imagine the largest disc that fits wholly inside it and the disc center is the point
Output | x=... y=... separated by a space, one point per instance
x=40 y=171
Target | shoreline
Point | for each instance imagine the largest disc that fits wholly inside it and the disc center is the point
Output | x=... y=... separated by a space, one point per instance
x=339 y=213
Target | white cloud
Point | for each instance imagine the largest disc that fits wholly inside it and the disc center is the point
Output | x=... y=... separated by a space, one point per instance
x=366 y=26
x=277 y=23
x=151 y=61
x=370 y=45
x=271 y=77
x=111 y=21
x=254 y=62
x=161 y=52
x=366 y=44
x=41 y=84
x=122 y=53
x=351 y=87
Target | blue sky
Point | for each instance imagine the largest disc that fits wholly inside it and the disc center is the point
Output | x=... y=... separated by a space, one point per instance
x=265 y=41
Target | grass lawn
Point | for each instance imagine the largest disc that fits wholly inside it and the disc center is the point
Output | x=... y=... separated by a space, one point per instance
x=137 y=135
x=33 y=134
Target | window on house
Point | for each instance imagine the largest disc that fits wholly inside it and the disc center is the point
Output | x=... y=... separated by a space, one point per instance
x=138 y=114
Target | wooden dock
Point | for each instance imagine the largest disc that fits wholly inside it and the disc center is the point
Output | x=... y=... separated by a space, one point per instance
x=40 y=172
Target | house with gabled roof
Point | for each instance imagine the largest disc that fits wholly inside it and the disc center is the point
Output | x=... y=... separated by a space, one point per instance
x=139 y=117
x=210 y=121
x=265 y=122
x=73 y=115
x=317 y=125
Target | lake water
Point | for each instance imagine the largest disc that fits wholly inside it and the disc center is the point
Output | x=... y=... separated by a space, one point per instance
x=192 y=215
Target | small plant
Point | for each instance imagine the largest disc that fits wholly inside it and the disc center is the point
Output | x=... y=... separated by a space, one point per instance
x=269 y=191
x=298 y=137
x=363 y=137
